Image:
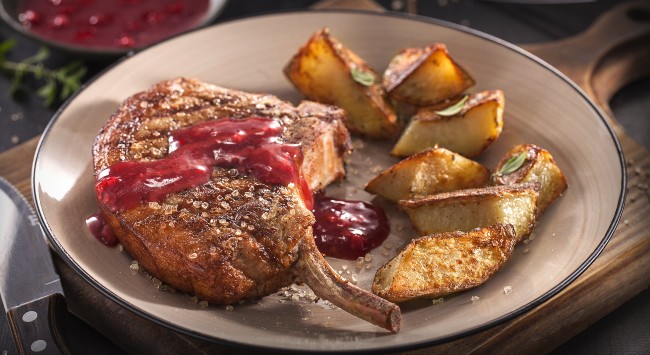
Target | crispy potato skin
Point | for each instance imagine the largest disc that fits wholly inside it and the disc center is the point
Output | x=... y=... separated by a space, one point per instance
x=539 y=167
x=432 y=171
x=322 y=71
x=467 y=209
x=470 y=132
x=425 y=76
x=440 y=264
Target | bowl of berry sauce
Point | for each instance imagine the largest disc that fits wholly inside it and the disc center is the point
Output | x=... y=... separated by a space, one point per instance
x=106 y=28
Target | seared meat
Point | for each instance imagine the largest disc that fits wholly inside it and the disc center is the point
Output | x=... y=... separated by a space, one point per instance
x=233 y=237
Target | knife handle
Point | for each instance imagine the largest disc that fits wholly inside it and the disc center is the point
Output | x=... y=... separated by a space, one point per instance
x=34 y=326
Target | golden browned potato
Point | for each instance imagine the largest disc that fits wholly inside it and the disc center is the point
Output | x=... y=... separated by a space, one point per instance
x=325 y=71
x=467 y=209
x=530 y=163
x=425 y=76
x=440 y=264
x=467 y=130
x=431 y=171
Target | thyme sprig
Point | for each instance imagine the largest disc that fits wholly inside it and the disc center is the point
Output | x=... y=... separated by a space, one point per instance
x=453 y=109
x=513 y=164
x=362 y=77
x=57 y=83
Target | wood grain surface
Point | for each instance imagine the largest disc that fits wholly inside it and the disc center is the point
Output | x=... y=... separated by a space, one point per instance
x=600 y=60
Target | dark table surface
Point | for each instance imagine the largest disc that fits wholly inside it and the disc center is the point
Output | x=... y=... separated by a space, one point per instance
x=624 y=331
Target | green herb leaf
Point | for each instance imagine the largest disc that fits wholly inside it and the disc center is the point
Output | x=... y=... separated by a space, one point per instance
x=453 y=109
x=58 y=83
x=362 y=77
x=513 y=164
x=48 y=92
x=5 y=47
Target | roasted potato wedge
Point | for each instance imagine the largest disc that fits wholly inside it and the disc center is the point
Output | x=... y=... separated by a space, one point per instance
x=325 y=71
x=537 y=166
x=432 y=171
x=425 y=76
x=467 y=209
x=440 y=264
x=469 y=132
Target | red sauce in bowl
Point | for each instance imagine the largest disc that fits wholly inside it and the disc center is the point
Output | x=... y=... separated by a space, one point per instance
x=110 y=24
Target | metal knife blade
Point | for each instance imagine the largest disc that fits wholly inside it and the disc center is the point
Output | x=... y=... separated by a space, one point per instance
x=30 y=288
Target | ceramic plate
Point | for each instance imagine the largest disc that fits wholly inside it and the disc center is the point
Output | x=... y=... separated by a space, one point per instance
x=542 y=107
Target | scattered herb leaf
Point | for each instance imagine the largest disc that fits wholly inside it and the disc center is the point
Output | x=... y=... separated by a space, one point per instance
x=453 y=109
x=513 y=164
x=57 y=83
x=362 y=77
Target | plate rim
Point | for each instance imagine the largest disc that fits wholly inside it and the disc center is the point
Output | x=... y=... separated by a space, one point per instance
x=67 y=258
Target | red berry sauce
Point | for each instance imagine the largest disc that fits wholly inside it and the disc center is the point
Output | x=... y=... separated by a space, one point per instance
x=110 y=24
x=97 y=225
x=252 y=146
x=348 y=229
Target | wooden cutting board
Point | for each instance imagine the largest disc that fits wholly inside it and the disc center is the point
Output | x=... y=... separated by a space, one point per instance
x=610 y=54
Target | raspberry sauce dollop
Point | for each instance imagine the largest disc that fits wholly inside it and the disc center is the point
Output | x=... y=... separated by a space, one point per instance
x=252 y=146
x=348 y=229
x=97 y=225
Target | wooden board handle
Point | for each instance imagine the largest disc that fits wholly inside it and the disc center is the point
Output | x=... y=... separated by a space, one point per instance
x=610 y=54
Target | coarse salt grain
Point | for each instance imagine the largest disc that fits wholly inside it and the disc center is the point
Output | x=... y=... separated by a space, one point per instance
x=134 y=265
x=507 y=289
x=475 y=299
x=359 y=263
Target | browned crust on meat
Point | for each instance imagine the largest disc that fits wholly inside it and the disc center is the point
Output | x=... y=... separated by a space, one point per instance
x=234 y=237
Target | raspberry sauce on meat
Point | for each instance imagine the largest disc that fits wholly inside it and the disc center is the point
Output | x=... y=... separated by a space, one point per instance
x=97 y=225
x=252 y=146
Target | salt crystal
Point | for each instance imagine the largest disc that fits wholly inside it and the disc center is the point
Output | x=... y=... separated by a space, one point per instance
x=360 y=261
x=507 y=289
x=134 y=265
x=475 y=299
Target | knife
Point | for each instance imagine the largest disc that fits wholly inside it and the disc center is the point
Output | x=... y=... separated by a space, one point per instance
x=30 y=288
